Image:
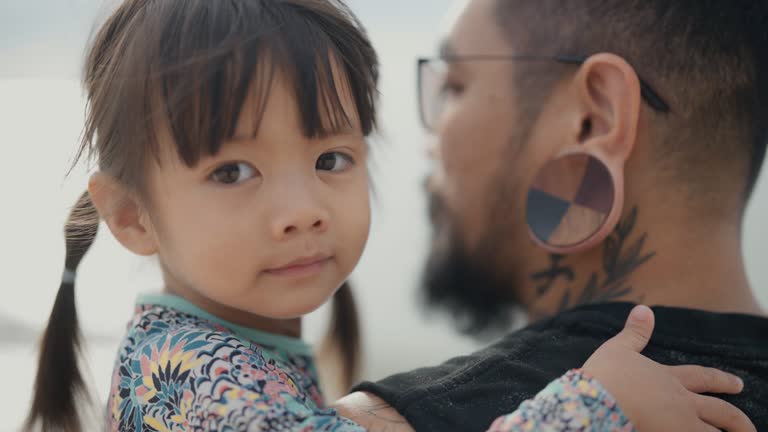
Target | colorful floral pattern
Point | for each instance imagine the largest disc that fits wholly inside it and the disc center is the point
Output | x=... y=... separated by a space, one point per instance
x=178 y=372
x=573 y=403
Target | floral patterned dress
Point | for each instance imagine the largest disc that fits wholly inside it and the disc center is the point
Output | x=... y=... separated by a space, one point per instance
x=180 y=368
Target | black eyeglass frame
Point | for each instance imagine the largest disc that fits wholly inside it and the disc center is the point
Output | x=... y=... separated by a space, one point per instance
x=649 y=95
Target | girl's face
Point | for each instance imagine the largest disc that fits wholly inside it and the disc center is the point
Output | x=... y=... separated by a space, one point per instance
x=274 y=223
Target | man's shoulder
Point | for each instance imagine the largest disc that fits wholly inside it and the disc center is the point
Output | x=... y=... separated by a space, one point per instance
x=469 y=392
x=466 y=390
x=529 y=358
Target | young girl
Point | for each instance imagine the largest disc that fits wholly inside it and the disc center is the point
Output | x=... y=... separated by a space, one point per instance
x=230 y=137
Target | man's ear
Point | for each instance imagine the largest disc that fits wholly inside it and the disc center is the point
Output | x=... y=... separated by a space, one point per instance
x=123 y=213
x=609 y=90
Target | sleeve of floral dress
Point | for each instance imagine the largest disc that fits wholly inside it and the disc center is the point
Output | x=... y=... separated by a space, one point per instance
x=190 y=380
x=573 y=402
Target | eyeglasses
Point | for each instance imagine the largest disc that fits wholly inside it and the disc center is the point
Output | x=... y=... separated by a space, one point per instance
x=432 y=72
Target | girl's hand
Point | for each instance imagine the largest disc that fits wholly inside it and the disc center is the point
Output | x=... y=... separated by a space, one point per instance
x=663 y=398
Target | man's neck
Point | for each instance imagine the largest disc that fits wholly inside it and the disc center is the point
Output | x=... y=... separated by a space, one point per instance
x=681 y=269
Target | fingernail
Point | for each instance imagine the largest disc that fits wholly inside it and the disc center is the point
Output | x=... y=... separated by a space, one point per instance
x=641 y=313
x=740 y=382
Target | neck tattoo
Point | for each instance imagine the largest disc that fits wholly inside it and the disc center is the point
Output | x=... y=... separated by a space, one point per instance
x=621 y=258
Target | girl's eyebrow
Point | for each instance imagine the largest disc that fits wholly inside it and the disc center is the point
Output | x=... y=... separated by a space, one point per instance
x=250 y=140
x=343 y=129
x=239 y=141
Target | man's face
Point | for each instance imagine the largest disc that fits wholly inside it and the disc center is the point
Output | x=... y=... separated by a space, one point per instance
x=477 y=190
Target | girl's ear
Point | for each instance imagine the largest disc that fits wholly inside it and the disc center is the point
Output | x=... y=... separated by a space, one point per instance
x=124 y=214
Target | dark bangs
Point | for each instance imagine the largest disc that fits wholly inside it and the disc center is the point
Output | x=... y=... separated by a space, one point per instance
x=192 y=64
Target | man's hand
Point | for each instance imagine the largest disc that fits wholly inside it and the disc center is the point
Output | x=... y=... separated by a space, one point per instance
x=663 y=398
x=372 y=413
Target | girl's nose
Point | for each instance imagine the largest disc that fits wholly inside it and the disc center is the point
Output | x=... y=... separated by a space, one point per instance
x=287 y=229
x=302 y=217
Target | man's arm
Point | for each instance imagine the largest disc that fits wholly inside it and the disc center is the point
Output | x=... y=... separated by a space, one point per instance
x=372 y=413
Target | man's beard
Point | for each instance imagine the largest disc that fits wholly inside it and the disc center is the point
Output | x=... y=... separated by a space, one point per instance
x=467 y=283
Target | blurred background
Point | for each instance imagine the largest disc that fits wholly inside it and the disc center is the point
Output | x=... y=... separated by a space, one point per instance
x=41 y=112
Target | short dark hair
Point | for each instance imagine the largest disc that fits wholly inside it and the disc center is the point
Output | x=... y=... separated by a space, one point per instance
x=707 y=58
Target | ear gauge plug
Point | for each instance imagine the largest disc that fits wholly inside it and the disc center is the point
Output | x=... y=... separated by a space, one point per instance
x=572 y=203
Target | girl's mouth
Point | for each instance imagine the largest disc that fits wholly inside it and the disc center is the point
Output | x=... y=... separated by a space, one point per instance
x=304 y=266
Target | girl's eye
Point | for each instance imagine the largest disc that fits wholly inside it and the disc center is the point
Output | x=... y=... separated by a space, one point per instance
x=234 y=173
x=334 y=162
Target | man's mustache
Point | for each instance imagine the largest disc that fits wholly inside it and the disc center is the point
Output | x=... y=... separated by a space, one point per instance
x=436 y=206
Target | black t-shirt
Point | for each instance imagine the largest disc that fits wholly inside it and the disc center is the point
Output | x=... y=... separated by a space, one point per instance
x=469 y=393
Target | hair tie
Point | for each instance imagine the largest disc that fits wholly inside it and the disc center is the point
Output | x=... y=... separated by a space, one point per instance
x=68 y=277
